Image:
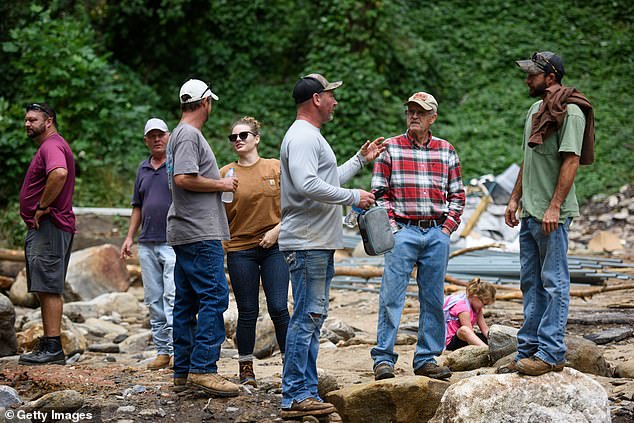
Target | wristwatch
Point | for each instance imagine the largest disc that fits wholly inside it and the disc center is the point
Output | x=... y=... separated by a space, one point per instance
x=40 y=207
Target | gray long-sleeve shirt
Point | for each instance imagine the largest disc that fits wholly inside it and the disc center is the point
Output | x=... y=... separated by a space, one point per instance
x=311 y=193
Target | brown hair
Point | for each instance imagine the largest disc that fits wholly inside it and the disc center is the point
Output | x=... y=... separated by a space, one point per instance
x=193 y=106
x=250 y=121
x=481 y=289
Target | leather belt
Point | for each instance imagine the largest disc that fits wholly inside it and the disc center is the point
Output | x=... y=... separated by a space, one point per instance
x=423 y=223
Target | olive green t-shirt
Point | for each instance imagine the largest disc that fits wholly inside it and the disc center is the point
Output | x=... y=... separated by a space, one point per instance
x=543 y=162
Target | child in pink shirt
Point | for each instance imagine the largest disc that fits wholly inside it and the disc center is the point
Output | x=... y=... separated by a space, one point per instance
x=463 y=311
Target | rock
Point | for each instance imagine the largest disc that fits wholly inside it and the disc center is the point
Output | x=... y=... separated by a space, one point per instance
x=121 y=302
x=104 y=348
x=73 y=341
x=136 y=389
x=326 y=383
x=265 y=341
x=19 y=293
x=585 y=356
x=103 y=328
x=502 y=341
x=138 y=342
x=95 y=271
x=604 y=241
x=610 y=335
x=468 y=358
x=625 y=369
x=327 y=334
x=613 y=200
x=623 y=214
x=8 y=341
x=505 y=360
x=9 y=396
x=404 y=399
x=563 y=397
x=15 y=419
x=152 y=412
x=119 y=338
x=60 y=401
x=126 y=409
x=230 y=317
x=341 y=328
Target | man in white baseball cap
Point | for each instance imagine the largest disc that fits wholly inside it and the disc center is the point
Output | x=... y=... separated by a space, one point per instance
x=150 y=202
x=196 y=225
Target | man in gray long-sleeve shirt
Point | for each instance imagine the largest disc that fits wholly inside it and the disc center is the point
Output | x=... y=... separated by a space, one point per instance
x=311 y=197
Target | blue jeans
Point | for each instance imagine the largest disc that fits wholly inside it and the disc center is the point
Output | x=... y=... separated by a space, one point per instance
x=429 y=250
x=201 y=289
x=157 y=271
x=246 y=267
x=545 y=285
x=311 y=273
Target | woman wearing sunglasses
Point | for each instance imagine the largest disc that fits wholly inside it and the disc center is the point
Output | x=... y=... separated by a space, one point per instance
x=252 y=253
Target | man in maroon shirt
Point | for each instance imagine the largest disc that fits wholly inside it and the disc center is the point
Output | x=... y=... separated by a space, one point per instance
x=46 y=207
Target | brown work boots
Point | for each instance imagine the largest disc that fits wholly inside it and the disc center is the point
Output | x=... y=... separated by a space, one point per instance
x=247 y=376
x=534 y=366
x=162 y=361
x=308 y=407
x=214 y=384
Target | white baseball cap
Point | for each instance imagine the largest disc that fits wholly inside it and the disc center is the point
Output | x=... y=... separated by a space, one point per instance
x=195 y=90
x=155 y=123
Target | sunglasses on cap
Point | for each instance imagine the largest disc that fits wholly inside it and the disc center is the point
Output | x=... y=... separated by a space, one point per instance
x=38 y=107
x=243 y=136
x=539 y=60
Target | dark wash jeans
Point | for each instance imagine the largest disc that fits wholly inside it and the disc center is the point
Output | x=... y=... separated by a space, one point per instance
x=201 y=288
x=246 y=267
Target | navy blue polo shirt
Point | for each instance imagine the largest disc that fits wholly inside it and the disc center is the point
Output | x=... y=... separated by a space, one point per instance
x=152 y=195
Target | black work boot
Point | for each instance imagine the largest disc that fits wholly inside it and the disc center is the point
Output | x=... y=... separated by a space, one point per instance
x=49 y=351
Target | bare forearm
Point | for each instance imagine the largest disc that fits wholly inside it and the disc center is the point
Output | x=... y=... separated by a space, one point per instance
x=516 y=195
x=54 y=183
x=135 y=222
x=198 y=183
x=566 y=178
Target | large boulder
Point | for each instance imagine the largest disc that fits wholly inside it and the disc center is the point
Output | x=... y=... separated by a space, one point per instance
x=502 y=341
x=19 y=293
x=138 y=342
x=123 y=303
x=568 y=396
x=73 y=341
x=404 y=399
x=468 y=358
x=8 y=341
x=585 y=356
x=95 y=271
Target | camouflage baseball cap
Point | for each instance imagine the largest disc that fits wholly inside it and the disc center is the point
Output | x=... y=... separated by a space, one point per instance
x=543 y=62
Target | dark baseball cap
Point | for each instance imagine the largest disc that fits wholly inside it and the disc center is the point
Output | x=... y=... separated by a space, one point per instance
x=311 y=84
x=543 y=62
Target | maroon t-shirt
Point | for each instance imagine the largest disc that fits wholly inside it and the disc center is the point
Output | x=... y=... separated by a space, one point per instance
x=53 y=153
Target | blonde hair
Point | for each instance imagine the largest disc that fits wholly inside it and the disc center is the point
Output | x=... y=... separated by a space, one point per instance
x=481 y=289
x=250 y=121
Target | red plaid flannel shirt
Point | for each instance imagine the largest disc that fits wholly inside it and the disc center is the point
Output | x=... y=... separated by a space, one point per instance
x=422 y=182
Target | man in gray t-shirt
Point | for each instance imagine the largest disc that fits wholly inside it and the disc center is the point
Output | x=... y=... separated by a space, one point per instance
x=311 y=199
x=196 y=225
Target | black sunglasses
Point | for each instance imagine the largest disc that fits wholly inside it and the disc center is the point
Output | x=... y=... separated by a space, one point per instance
x=243 y=136
x=38 y=107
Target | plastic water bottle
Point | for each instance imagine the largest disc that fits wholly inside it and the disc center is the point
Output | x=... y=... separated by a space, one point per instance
x=227 y=196
x=352 y=217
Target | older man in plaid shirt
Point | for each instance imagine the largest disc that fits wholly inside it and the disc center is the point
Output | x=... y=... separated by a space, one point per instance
x=424 y=198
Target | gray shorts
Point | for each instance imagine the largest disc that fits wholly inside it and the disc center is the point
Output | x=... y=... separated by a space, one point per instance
x=47 y=252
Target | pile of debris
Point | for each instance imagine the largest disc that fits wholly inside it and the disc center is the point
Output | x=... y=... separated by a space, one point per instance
x=604 y=223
